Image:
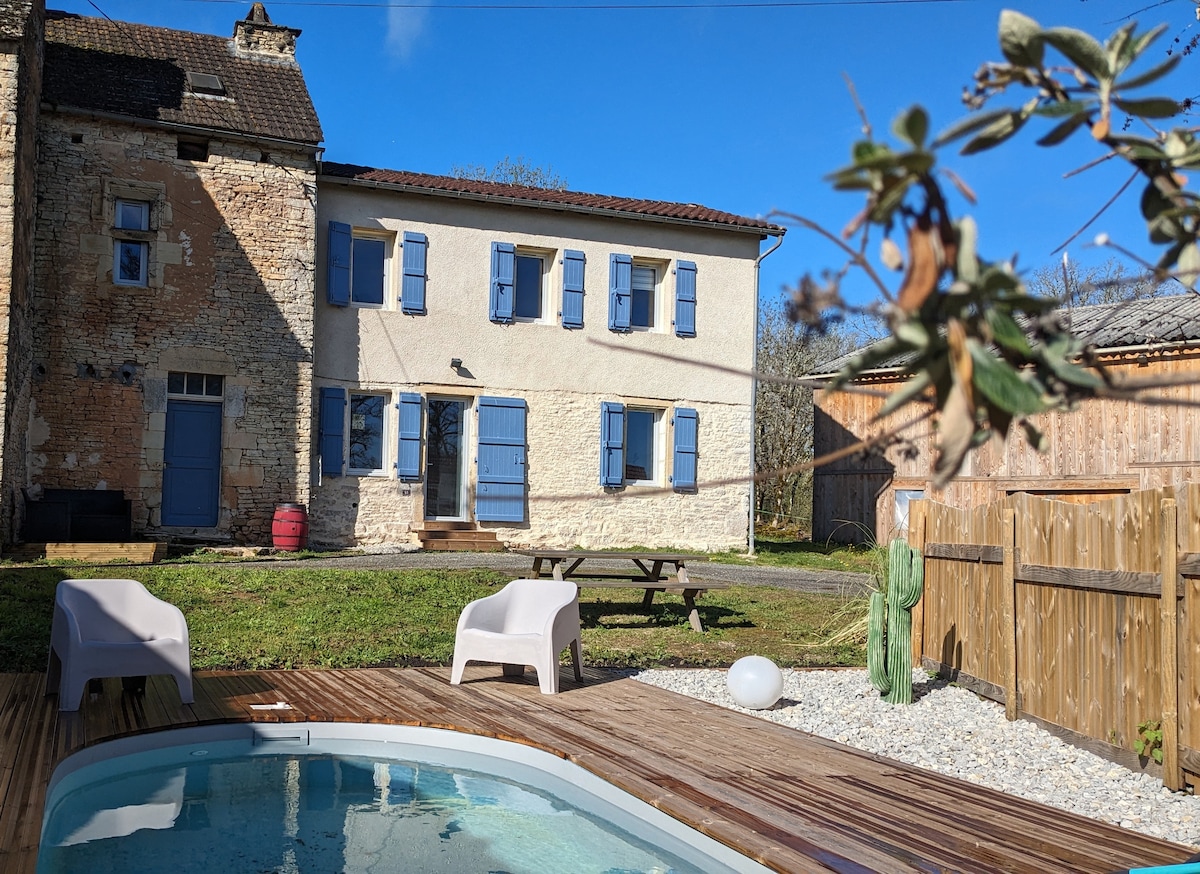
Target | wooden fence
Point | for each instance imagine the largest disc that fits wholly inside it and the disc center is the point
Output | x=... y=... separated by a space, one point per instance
x=1082 y=617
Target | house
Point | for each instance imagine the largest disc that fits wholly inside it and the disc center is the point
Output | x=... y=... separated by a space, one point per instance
x=200 y=319
x=1102 y=448
x=531 y=364
x=161 y=198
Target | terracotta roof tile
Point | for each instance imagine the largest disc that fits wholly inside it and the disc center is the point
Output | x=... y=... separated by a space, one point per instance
x=688 y=212
x=141 y=71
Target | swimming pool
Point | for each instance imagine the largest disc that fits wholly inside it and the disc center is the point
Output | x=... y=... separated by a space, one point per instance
x=336 y=797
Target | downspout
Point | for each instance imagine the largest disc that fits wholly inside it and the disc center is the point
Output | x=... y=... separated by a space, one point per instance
x=754 y=388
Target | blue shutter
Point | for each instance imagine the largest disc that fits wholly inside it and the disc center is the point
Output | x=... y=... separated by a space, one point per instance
x=683 y=468
x=612 y=444
x=620 y=291
x=504 y=265
x=332 y=430
x=685 y=299
x=500 y=478
x=572 y=299
x=412 y=286
x=337 y=282
x=408 y=455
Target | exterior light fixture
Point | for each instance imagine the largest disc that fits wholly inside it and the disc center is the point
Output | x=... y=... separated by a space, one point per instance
x=456 y=363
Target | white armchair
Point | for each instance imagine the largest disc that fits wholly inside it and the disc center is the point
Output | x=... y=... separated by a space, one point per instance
x=114 y=628
x=527 y=623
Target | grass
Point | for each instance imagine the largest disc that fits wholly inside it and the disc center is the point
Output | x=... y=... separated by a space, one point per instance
x=250 y=616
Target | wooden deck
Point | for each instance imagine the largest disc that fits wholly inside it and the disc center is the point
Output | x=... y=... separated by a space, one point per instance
x=794 y=802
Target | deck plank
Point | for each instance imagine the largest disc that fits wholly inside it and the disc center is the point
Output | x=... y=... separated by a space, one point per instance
x=795 y=802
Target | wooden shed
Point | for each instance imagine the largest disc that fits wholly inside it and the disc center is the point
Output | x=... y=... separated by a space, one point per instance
x=1102 y=448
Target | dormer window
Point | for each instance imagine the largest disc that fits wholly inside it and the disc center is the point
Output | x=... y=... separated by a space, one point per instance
x=205 y=83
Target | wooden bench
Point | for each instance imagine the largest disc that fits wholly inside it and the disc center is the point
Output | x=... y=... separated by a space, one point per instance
x=565 y=564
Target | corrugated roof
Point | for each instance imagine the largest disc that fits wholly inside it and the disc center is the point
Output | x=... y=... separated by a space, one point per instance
x=1145 y=322
x=141 y=71
x=683 y=212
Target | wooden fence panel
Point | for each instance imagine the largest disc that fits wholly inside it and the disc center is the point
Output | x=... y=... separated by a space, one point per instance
x=1090 y=649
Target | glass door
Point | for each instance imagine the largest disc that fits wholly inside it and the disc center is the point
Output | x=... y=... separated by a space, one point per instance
x=445 y=459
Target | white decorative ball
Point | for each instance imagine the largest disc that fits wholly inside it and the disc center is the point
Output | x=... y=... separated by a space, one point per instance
x=755 y=682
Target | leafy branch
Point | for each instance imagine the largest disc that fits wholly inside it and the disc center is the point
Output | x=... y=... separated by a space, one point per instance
x=972 y=340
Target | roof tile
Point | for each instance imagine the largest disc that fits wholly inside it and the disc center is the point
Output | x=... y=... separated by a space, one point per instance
x=141 y=71
x=546 y=196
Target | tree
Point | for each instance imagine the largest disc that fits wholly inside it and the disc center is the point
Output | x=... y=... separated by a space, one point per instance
x=1107 y=283
x=512 y=172
x=783 y=425
x=983 y=353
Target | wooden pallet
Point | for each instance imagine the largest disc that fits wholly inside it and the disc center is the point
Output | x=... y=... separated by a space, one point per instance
x=99 y=553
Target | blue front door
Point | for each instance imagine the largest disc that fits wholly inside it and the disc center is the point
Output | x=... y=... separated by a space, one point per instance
x=192 y=464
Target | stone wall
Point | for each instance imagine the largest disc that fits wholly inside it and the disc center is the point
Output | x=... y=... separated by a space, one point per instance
x=20 y=94
x=567 y=506
x=229 y=293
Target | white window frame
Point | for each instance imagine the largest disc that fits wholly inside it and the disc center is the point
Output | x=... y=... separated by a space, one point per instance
x=190 y=377
x=660 y=445
x=384 y=470
x=120 y=242
x=656 y=306
x=389 y=251
x=547 y=315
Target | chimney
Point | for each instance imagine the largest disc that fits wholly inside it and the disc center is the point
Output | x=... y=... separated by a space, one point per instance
x=256 y=37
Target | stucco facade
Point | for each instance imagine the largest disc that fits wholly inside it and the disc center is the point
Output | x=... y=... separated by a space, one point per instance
x=562 y=375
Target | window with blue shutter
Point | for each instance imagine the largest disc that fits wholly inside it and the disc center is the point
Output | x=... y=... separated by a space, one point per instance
x=620 y=289
x=572 y=298
x=332 y=429
x=412 y=286
x=500 y=301
x=337 y=282
x=408 y=455
x=612 y=444
x=500 y=474
x=685 y=299
x=683 y=476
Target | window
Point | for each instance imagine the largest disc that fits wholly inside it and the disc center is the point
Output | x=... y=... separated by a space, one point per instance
x=518 y=284
x=645 y=280
x=633 y=294
x=131 y=255
x=529 y=287
x=191 y=150
x=642 y=431
x=368 y=270
x=904 y=499
x=206 y=385
x=366 y=433
x=631 y=445
x=359 y=266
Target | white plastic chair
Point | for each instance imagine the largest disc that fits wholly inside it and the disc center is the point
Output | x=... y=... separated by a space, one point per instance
x=114 y=628
x=527 y=623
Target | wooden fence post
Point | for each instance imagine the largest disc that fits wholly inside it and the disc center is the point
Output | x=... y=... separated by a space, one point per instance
x=1009 y=588
x=916 y=539
x=1169 y=673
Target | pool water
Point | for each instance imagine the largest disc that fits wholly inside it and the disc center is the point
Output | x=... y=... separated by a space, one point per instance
x=293 y=800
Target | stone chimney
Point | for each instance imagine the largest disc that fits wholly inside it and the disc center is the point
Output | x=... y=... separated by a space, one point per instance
x=256 y=37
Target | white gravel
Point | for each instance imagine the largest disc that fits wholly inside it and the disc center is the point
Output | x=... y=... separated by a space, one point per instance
x=955 y=732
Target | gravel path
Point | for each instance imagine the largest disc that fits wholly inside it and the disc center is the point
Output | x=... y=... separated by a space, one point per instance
x=954 y=732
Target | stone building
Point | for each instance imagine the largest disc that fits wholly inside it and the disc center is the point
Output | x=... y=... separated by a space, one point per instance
x=157 y=312
x=531 y=365
x=523 y=364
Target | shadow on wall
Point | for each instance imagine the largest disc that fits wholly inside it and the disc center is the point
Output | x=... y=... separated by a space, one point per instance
x=846 y=493
x=191 y=391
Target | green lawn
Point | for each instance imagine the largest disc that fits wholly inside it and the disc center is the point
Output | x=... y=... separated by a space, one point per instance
x=249 y=615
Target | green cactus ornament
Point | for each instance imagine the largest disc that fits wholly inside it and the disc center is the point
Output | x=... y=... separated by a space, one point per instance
x=889 y=624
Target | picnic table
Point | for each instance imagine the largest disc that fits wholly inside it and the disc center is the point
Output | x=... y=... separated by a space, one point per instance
x=565 y=564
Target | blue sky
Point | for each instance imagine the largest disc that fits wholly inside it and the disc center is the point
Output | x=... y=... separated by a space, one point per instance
x=740 y=109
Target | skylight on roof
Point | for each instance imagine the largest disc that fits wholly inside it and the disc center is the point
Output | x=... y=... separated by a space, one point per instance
x=205 y=83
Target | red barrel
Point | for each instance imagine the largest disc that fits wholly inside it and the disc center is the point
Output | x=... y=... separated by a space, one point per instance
x=289 y=527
